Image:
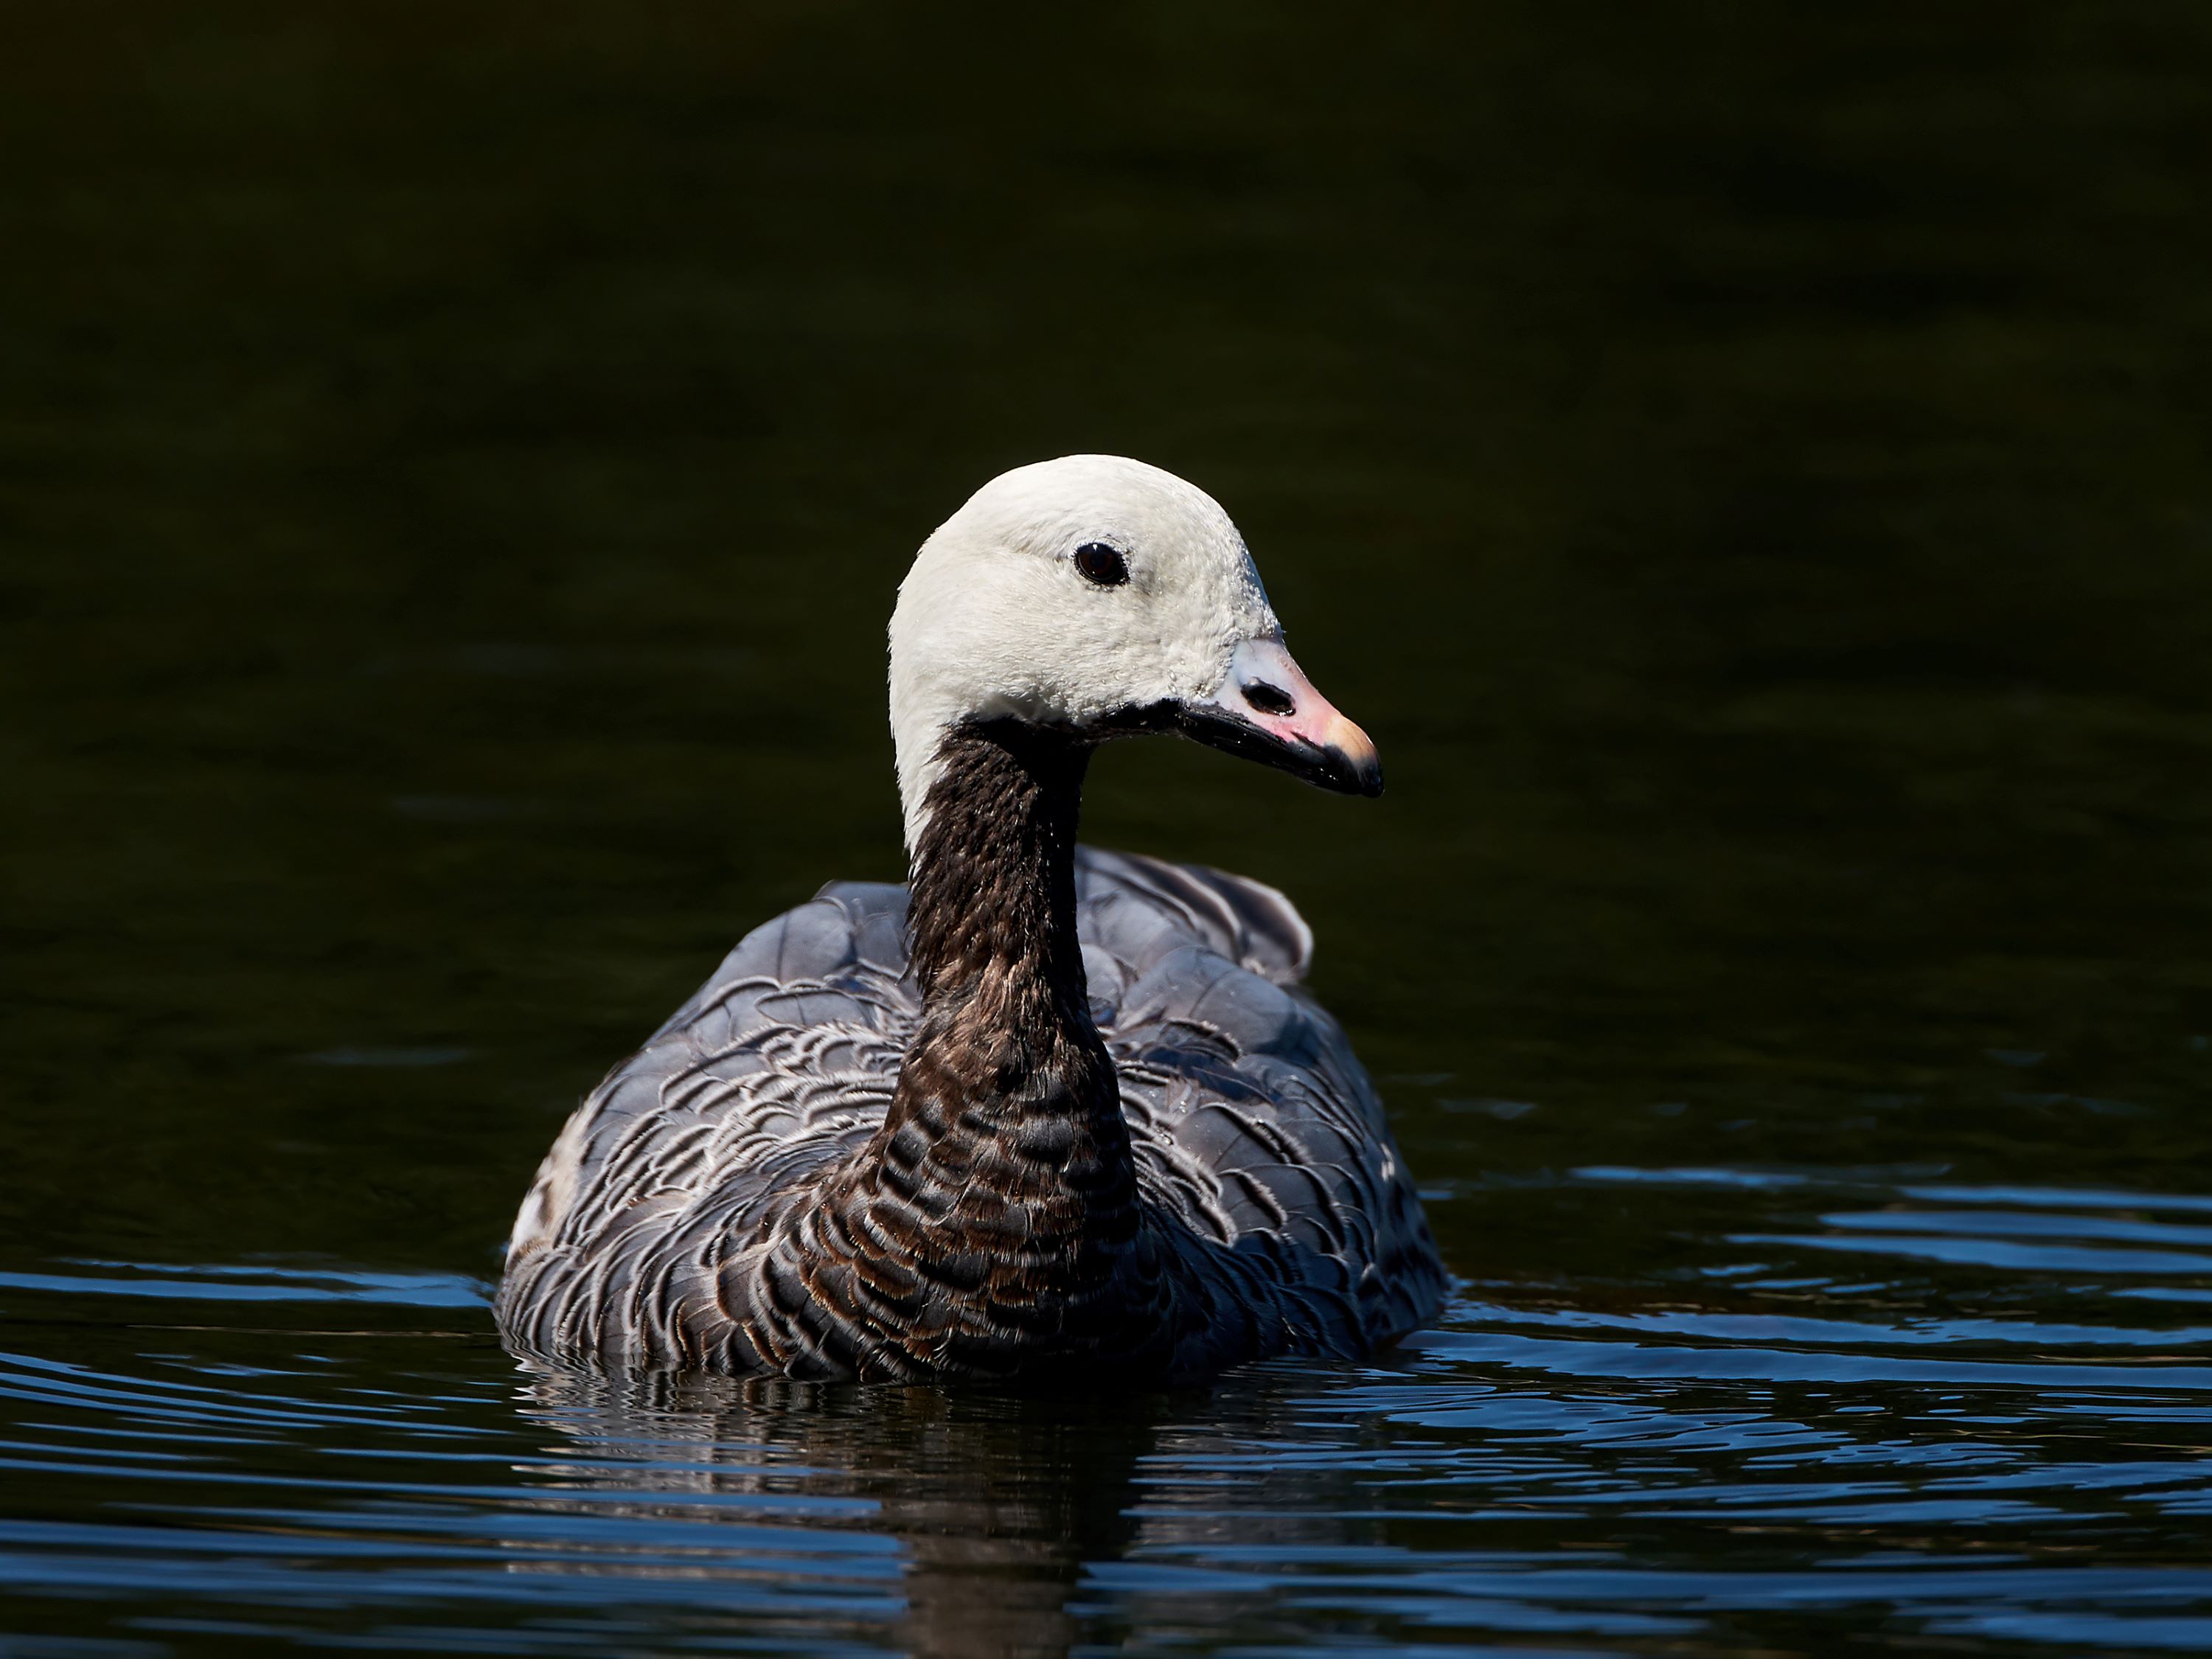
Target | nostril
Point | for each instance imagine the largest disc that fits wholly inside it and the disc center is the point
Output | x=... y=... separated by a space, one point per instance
x=1268 y=699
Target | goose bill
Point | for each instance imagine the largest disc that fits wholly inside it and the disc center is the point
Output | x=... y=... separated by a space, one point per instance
x=1268 y=711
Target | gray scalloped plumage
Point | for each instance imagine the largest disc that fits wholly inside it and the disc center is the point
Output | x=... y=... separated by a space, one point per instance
x=1262 y=1152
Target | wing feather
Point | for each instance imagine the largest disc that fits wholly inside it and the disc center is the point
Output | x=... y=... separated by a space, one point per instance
x=1251 y=1120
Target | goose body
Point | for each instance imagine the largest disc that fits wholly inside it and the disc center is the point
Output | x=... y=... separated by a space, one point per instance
x=1045 y=1112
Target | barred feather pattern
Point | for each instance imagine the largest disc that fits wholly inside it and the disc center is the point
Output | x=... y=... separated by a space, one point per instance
x=1065 y=1113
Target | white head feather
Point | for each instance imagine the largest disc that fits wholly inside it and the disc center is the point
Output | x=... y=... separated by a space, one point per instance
x=995 y=619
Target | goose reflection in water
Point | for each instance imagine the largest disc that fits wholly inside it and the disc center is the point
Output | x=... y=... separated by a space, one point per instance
x=971 y=1517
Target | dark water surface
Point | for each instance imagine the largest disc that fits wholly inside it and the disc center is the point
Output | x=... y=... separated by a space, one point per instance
x=1750 y=468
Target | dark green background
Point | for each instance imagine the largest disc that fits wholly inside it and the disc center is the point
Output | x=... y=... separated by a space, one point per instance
x=1747 y=464
x=1748 y=467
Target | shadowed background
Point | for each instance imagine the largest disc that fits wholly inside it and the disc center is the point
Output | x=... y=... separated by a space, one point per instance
x=1746 y=467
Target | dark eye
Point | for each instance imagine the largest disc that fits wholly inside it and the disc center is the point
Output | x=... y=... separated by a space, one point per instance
x=1101 y=564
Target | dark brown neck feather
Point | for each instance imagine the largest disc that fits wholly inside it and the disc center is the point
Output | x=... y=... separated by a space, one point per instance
x=993 y=1223
x=1005 y=1029
x=1007 y=1098
x=993 y=905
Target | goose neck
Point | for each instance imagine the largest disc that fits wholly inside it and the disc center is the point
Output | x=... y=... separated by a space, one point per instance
x=994 y=878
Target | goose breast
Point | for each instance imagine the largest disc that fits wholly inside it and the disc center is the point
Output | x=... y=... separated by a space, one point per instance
x=1252 y=1123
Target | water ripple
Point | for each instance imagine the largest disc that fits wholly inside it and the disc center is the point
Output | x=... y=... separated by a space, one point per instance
x=1732 y=1451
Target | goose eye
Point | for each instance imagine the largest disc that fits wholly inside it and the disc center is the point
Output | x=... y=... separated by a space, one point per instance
x=1101 y=564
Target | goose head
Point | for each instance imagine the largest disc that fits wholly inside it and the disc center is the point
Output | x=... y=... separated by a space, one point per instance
x=1100 y=597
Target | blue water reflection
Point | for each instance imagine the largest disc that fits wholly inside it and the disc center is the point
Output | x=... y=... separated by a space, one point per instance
x=1669 y=1466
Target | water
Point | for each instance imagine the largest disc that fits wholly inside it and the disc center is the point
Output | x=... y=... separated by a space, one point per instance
x=1747 y=468
x=1991 y=1426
